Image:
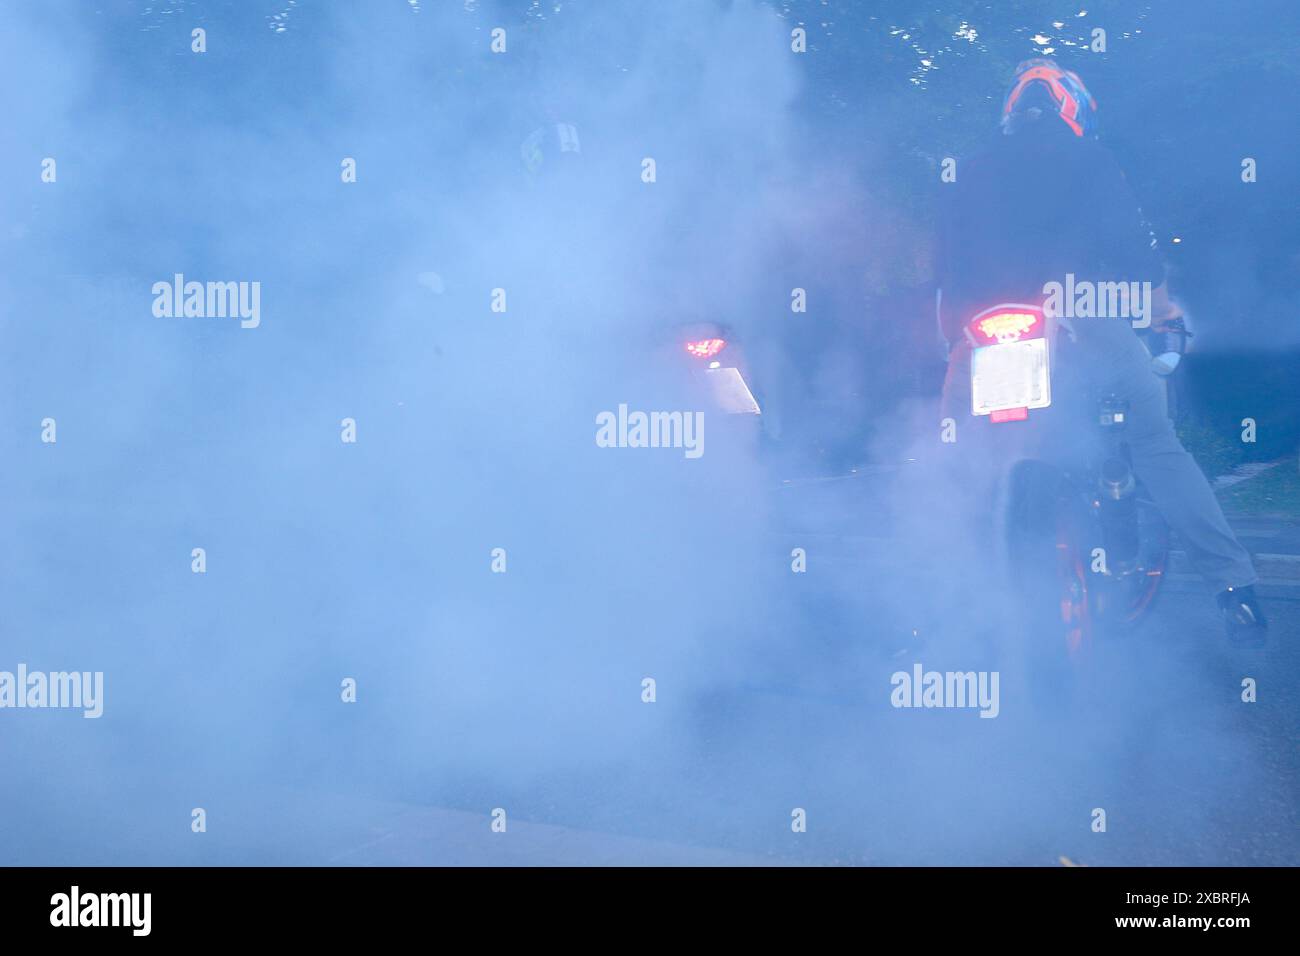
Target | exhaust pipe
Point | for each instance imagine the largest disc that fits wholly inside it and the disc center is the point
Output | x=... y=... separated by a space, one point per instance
x=1119 y=524
x=1117 y=482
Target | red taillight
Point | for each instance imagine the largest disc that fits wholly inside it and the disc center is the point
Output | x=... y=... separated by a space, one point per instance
x=706 y=348
x=1005 y=325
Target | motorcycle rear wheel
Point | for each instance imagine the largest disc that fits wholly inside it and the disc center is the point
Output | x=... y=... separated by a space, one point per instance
x=1045 y=518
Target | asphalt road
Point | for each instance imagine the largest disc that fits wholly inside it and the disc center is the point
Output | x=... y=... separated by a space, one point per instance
x=1186 y=772
x=1155 y=735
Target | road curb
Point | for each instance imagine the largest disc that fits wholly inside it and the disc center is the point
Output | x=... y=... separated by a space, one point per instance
x=1278 y=568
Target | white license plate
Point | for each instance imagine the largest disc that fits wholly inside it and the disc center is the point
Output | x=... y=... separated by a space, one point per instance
x=731 y=392
x=1010 y=375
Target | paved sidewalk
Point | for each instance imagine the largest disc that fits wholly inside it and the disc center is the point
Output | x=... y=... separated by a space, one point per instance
x=1273 y=542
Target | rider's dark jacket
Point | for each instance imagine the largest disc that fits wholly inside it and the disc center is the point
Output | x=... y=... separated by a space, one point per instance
x=1029 y=209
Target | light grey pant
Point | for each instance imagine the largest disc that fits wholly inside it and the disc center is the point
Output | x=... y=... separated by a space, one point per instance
x=1114 y=360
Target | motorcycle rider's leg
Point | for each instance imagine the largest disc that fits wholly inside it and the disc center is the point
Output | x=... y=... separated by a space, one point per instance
x=1173 y=479
x=1183 y=495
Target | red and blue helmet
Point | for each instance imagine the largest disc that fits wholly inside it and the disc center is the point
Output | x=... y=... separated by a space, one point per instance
x=1042 y=85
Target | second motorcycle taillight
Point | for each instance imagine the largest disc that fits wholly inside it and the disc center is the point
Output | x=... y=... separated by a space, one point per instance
x=706 y=348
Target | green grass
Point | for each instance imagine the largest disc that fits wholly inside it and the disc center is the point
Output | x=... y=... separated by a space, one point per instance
x=1216 y=452
x=1276 y=491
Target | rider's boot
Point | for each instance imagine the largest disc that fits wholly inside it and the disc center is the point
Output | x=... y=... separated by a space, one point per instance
x=1242 y=617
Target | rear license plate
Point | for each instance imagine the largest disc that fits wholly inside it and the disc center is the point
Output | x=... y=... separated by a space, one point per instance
x=731 y=392
x=1010 y=375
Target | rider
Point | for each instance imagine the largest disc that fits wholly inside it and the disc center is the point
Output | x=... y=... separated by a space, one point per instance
x=1046 y=200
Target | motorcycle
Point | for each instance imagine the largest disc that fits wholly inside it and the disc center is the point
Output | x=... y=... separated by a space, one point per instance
x=1082 y=536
